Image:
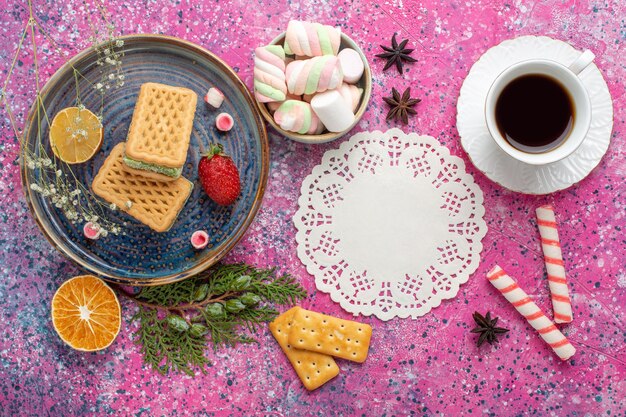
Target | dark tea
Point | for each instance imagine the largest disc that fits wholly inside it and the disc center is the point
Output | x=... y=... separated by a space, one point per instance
x=534 y=113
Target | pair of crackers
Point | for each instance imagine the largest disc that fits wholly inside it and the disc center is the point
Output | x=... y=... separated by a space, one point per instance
x=310 y=340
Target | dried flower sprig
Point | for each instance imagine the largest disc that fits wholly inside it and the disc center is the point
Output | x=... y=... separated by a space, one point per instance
x=53 y=178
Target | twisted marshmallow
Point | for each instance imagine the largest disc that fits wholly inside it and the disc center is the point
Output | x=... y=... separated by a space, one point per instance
x=269 y=74
x=298 y=116
x=274 y=105
x=311 y=39
x=314 y=75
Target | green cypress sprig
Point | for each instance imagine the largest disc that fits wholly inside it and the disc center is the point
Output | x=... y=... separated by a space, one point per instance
x=221 y=307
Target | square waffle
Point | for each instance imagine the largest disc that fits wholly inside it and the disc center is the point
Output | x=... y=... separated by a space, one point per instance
x=154 y=203
x=161 y=127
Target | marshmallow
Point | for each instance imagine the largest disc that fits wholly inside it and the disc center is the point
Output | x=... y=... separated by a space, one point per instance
x=314 y=75
x=199 y=239
x=351 y=65
x=274 y=105
x=214 y=97
x=311 y=39
x=297 y=116
x=224 y=122
x=352 y=94
x=91 y=231
x=269 y=73
x=333 y=110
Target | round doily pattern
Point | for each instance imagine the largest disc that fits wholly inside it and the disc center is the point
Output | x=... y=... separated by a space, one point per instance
x=390 y=224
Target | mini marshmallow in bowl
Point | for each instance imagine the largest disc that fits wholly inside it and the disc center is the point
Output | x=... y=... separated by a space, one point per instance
x=283 y=81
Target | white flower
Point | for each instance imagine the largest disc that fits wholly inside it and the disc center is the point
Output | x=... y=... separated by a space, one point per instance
x=107 y=51
x=113 y=207
x=129 y=204
x=35 y=187
x=99 y=86
x=119 y=43
x=121 y=76
x=31 y=164
x=59 y=173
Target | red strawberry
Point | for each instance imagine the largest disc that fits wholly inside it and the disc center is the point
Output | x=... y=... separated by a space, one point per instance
x=219 y=176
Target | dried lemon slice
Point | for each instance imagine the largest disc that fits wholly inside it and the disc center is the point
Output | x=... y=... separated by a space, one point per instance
x=86 y=313
x=75 y=135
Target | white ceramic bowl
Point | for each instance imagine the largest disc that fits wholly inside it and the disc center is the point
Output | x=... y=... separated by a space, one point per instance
x=365 y=83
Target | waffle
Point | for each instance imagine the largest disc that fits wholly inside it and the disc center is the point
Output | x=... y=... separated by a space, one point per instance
x=154 y=203
x=160 y=130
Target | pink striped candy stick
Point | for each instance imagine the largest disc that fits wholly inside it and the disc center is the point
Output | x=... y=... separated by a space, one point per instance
x=553 y=258
x=527 y=308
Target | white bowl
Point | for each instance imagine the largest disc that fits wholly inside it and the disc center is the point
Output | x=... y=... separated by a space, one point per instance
x=365 y=83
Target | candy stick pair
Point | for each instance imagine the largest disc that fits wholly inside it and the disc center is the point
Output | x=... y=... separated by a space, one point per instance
x=553 y=258
x=527 y=308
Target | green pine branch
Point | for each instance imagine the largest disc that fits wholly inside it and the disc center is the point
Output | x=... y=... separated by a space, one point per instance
x=165 y=349
x=221 y=307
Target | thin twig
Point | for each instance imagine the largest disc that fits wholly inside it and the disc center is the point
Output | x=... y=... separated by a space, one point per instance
x=180 y=307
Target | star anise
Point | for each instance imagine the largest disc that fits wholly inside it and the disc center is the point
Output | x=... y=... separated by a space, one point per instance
x=401 y=106
x=396 y=54
x=486 y=326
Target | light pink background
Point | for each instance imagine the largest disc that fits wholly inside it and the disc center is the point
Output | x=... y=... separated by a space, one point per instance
x=428 y=366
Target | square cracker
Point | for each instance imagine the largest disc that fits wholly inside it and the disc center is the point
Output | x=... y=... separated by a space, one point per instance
x=161 y=127
x=154 y=203
x=330 y=335
x=314 y=369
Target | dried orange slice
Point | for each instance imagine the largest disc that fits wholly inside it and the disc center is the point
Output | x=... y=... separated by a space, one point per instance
x=86 y=313
x=75 y=135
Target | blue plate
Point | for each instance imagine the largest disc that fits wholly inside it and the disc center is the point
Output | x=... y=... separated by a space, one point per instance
x=141 y=256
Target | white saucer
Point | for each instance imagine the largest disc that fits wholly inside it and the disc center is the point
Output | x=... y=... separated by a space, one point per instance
x=495 y=163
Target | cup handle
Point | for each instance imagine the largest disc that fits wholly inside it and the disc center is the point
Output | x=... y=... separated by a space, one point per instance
x=582 y=62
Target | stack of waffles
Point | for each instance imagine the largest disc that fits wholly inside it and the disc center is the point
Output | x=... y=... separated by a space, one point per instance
x=143 y=175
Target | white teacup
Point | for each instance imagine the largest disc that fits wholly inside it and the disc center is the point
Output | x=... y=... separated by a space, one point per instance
x=568 y=78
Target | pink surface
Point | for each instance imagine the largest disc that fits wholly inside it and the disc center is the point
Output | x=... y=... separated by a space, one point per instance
x=428 y=366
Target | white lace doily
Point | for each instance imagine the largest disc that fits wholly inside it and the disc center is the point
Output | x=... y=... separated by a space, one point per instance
x=390 y=224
